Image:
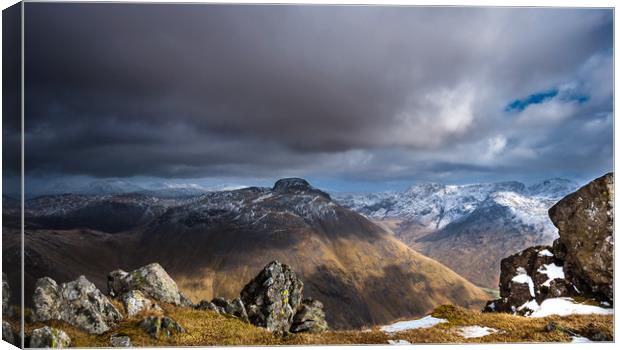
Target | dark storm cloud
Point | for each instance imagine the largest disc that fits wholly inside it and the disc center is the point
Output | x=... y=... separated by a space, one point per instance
x=116 y=90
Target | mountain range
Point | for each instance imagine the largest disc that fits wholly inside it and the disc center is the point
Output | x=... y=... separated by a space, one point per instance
x=213 y=242
x=469 y=228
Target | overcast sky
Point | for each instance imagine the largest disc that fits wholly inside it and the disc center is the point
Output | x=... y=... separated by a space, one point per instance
x=352 y=98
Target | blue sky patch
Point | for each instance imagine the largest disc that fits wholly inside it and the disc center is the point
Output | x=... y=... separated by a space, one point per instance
x=539 y=97
x=570 y=95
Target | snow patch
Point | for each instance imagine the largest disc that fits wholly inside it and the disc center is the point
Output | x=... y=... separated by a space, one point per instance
x=545 y=252
x=398 y=342
x=552 y=271
x=523 y=277
x=567 y=306
x=424 y=322
x=578 y=339
x=475 y=331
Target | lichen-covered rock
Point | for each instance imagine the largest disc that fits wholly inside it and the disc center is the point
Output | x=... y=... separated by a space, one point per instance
x=47 y=337
x=78 y=303
x=9 y=334
x=310 y=317
x=585 y=223
x=272 y=297
x=151 y=279
x=159 y=327
x=6 y=296
x=120 y=341
x=135 y=302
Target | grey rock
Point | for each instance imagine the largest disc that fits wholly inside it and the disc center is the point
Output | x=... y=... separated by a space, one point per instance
x=78 y=303
x=232 y=307
x=160 y=326
x=47 y=337
x=9 y=334
x=310 y=317
x=585 y=223
x=135 y=302
x=151 y=279
x=6 y=296
x=206 y=305
x=272 y=297
x=120 y=341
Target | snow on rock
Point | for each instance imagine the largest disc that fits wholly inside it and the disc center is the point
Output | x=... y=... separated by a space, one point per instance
x=424 y=322
x=530 y=305
x=398 y=342
x=567 y=306
x=545 y=252
x=475 y=331
x=523 y=277
x=552 y=271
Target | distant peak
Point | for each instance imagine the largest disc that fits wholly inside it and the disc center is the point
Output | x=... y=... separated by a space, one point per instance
x=291 y=184
x=295 y=185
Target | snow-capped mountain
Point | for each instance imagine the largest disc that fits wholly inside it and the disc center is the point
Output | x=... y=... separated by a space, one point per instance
x=467 y=227
x=434 y=206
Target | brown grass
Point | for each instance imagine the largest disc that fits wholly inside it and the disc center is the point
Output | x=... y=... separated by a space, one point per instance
x=206 y=328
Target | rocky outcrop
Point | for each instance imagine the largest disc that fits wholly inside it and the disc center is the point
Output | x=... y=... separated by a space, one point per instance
x=529 y=277
x=47 y=337
x=580 y=262
x=159 y=327
x=585 y=223
x=9 y=334
x=78 y=303
x=135 y=302
x=6 y=296
x=232 y=307
x=151 y=279
x=272 y=297
x=310 y=317
x=120 y=341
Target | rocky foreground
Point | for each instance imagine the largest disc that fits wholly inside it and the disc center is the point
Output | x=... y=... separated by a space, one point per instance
x=146 y=297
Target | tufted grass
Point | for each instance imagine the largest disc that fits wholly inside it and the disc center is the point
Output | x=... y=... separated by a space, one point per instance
x=207 y=328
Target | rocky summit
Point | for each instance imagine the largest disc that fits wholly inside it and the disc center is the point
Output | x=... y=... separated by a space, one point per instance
x=579 y=263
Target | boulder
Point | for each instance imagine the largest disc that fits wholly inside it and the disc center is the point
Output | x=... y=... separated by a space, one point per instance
x=272 y=297
x=6 y=296
x=78 y=303
x=47 y=337
x=233 y=307
x=206 y=305
x=160 y=326
x=527 y=278
x=585 y=223
x=135 y=302
x=120 y=341
x=9 y=334
x=152 y=280
x=310 y=317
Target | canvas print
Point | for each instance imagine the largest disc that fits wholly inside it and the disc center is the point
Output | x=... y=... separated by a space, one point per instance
x=238 y=174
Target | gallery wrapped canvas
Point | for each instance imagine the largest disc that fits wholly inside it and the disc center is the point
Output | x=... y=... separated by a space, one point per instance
x=241 y=174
